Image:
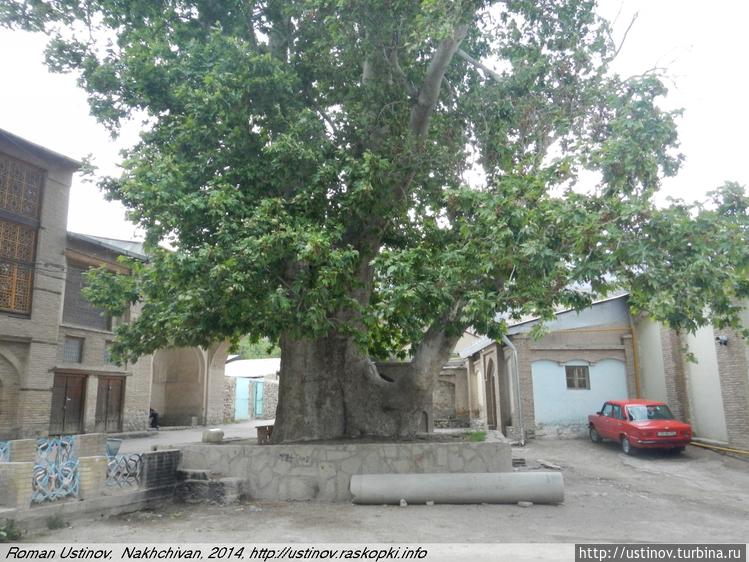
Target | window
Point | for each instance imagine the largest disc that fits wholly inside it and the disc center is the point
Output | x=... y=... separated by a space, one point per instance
x=76 y=309
x=578 y=377
x=608 y=410
x=649 y=412
x=20 y=202
x=618 y=412
x=72 y=351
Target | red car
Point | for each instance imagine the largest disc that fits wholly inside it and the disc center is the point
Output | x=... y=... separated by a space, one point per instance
x=639 y=424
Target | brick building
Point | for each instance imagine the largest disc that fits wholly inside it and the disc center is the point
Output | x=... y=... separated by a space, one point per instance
x=710 y=389
x=605 y=353
x=548 y=386
x=55 y=373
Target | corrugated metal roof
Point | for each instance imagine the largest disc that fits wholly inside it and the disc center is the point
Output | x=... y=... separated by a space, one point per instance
x=565 y=319
x=131 y=248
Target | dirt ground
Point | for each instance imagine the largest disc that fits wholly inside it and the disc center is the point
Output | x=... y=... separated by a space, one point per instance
x=699 y=496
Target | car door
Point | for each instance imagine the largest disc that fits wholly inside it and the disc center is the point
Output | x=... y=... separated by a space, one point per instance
x=617 y=427
x=604 y=420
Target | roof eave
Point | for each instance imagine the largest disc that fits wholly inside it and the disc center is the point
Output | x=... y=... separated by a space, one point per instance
x=41 y=151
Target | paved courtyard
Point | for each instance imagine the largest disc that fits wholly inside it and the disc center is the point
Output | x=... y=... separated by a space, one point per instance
x=166 y=436
x=699 y=496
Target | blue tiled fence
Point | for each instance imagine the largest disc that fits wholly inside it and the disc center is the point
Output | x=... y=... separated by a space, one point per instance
x=55 y=474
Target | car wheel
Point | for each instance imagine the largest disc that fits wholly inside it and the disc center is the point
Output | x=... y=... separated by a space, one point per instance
x=627 y=447
x=594 y=435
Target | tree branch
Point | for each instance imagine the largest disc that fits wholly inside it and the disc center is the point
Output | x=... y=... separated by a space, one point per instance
x=624 y=37
x=478 y=64
x=436 y=347
x=392 y=58
x=430 y=89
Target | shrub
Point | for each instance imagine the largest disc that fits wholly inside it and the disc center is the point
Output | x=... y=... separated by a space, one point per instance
x=9 y=531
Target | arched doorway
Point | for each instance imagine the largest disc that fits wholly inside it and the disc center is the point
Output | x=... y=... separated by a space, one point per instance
x=9 y=397
x=216 y=386
x=178 y=386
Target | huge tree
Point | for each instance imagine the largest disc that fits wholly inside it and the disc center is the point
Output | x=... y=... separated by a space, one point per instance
x=356 y=179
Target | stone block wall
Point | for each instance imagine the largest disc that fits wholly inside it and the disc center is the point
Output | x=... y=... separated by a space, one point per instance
x=230 y=393
x=92 y=472
x=323 y=472
x=137 y=395
x=675 y=373
x=91 y=444
x=733 y=371
x=15 y=484
x=270 y=399
x=525 y=374
x=23 y=450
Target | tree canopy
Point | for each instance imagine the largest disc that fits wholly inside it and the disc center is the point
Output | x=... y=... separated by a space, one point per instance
x=386 y=171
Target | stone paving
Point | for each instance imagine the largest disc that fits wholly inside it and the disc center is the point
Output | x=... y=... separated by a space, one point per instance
x=165 y=436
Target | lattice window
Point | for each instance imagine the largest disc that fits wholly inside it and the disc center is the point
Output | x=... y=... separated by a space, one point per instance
x=20 y=201
x=20 y=187
x=72 y=350
x=17 y=245
x=76 y=309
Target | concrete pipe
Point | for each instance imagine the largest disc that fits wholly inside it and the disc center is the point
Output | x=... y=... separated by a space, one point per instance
x=489 y=487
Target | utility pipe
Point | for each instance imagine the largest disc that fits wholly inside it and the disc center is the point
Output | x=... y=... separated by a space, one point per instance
x=516 y=384
x=458 y=488
x=635 y=358
x=715 y=448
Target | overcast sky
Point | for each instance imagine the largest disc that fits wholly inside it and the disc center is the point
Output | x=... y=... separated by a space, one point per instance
x=704 y=46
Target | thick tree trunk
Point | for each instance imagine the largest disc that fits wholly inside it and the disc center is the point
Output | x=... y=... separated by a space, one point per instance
x=330 y=390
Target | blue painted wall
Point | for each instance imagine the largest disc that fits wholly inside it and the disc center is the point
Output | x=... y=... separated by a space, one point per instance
x=555 y=404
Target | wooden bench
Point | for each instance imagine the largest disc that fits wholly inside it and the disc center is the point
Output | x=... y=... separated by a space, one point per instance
x=264 y=433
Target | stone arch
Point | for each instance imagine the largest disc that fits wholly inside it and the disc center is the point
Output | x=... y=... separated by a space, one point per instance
x=11 y=358
x=178 y=385
x=213 y=399
x=9 y=394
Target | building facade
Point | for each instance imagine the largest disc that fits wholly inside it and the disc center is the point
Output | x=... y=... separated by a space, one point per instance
x=34 y=192
x=253 y=388
x=604 y=353
x=704 y=377
x=547 y=387
x=56 y=376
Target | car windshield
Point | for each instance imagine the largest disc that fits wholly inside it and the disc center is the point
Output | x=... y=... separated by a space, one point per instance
x=649 y=412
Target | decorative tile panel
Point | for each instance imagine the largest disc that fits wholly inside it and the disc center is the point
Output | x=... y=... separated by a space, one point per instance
x=55 y=473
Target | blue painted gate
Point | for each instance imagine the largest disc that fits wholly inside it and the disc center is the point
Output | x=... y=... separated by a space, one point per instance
x=242 y=399
x=259 y=387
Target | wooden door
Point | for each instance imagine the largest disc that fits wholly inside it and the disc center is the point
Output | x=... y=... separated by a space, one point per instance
x=67 y=404
x=258 y=406
x=242 y=399
x=109 y=404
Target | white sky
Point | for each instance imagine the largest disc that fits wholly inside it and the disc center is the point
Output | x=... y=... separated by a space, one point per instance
x=703 y=45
